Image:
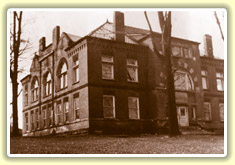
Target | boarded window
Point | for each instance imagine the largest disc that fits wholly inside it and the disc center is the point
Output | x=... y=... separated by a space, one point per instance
x=133 y=107
x=109 y=106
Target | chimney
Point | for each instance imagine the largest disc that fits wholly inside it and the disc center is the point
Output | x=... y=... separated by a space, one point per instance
x=208 y=45
x=42 y=44
x=119 y=29
x=55 y=37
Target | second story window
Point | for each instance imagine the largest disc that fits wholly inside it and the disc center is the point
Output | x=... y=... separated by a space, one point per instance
x=48 y=85
x=204 y=79
x=132 y=70
x=63 y=78
x=35 y=90
x=220 y=81
x=107 y=67
x=76 y=68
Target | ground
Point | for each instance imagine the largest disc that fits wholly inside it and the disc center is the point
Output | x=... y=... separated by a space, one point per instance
x=102 y=144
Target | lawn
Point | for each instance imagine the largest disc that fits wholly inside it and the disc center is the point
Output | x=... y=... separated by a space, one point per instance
x=101 y=144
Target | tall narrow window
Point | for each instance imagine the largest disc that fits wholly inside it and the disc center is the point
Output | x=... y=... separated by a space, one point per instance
x=50 y=115
x=204 y=79
x=26 y=95
x=26 y=122
x=194 y=113
x=48 y=84
x=66 y=110
x=32 y=120
x=220 y=81
x=132 y=70
x=108 y=106
x=76 y=68
x=44 y=116
x=183 y=81
x=107 y=67
x=207 y=110
x=37 y=118
x=221 y=110
x=35 y=90
x=76 y=107
x=63 y=76
x=133 y=107
x=59 y=115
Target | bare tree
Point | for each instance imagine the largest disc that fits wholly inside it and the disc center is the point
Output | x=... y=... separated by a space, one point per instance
x=218 y=22
x=18 y=46
x=165 y=24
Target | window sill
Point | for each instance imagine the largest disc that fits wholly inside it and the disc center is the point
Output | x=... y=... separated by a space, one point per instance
x=137 y=82
x=106 y=79
x=47 y=96
x=61 y=89
x=76 y=82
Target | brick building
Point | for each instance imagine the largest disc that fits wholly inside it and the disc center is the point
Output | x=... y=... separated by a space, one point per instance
x=111 y=81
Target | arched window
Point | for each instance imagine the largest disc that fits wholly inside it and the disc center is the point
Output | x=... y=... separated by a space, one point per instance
x=35 y=90
x=47 y=84
x=62 y=75
x=183 y=81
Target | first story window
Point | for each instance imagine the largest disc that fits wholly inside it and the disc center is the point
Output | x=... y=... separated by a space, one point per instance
x=133 y=107
x=66 y=110
x=221 y=111
x=59 y=113
x=76 y=107
x=26 y=122
x=32 y=120
x=50 y=115
x=44 y=116
x=107 y=67
x=26 y=95
x=193 y=112
x=207 y=110
x=108 y=106
x=37 y=118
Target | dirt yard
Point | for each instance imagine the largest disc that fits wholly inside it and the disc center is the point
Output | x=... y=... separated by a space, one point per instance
x=101 y=144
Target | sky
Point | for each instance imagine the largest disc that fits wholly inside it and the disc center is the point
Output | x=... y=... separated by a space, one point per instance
x=188 y=24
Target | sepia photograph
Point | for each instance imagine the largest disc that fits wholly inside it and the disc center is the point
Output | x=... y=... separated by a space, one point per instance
x=117 y=82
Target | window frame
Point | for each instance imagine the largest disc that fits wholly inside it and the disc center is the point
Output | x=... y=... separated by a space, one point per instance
x=63 y=76
x=44 y=116
x=35 y=90
x=32 y=120
x=47 y=85
x=222 y=120
x=76 y=108
x=59 y=113
x=26 y=96
x=113 y=106
x=26 y=115
x=189 y=84
x=204 y=74
x=107 y=63
x=137 y=109
x=209 y=105
x=221 y=80
x=66 y=110
x=76 y=69
x=132 y=66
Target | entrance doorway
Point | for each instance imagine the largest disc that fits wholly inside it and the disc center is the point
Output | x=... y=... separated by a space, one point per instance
x=182 y=115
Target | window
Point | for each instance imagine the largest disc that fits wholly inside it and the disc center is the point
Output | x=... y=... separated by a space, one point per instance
x=32 y=120
x=26 y=122
x=207 y=110
x=47 y=85
x=63 y=76
x=220 y=81
x=26 y=95
x=109 y=106
x=66 y=110
x=35 y=90
x=107 y=67
x=37 y=118
x=181 y=51
x=183 y=81
x=132 y=70
x=76 y=68
x=194 y=113
x=204 y=79
x=76 y=107
x=50 y=115
x=59 y=115
x=133 y=107
x=221 y=110
x=44 y=116
x=176 y=51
